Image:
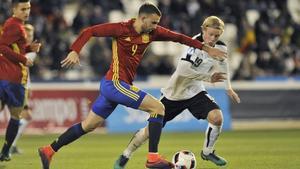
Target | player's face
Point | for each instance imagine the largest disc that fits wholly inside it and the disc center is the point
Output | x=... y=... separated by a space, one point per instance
x=22 y=10
x=150 y=22
x=211 y=35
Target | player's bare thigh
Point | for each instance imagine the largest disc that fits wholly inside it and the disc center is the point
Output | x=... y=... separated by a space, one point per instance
x=91 y=122
x=152 y=105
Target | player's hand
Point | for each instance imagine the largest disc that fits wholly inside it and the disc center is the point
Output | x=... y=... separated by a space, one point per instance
x=29 y=62
x=71 y=60
x=234 y=96
x=35 y=46
x=215 y=53
x=218 y=77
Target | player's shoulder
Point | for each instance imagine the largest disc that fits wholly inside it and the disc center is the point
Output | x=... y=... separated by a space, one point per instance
x=11 y=22
x=126 y=26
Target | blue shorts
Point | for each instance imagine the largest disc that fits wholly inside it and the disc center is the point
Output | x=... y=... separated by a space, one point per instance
x=12 y=94
x=113 y=93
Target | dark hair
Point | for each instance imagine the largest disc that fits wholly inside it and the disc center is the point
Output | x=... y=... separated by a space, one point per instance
x=149 y=8
x=15 y=2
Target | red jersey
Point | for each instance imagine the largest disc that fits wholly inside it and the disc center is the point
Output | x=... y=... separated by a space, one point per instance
x=128 y=46
x=12 y=52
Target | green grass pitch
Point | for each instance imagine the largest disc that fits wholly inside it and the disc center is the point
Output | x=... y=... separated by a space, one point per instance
x=270 y=149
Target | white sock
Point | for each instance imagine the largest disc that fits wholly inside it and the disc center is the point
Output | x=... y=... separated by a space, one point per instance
x=23 y=124
x=137 y=140
x=211 y=136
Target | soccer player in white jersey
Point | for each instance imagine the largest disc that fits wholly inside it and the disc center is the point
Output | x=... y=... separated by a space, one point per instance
x=186 y=88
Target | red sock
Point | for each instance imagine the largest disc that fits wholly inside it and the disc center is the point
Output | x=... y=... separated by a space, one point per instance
x=49 y=150
x=152 y=157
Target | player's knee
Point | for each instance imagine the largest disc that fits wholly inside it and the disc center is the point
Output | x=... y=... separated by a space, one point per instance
x=160 y=109
x=218 y=121
x=89 y=127
x=215 y=117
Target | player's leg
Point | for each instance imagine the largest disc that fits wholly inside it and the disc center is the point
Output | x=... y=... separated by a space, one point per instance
x=213 y=130
x=203 y=106
x=138 y=139
x=212 y=133
x=131 y=96
x=91 y=122
x=24 y=121
x=73 y=133
x=14 y=97
x=101 y=109
x=156 y=110
x=11 y=132
x=141 y=136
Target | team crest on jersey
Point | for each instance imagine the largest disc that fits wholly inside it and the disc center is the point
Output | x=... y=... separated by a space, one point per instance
x=145 y=38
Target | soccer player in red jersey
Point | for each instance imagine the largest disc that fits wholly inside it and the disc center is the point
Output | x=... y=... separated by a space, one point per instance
x=13 y=69
x=130 y=40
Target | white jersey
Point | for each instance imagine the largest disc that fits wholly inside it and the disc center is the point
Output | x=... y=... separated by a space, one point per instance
x=194 y=67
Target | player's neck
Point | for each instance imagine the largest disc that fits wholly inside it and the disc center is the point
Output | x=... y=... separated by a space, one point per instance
x=18 y=19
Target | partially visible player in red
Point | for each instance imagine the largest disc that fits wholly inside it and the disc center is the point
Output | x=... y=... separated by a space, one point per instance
x=130 y=40
x=14 y=69
x=26 y=113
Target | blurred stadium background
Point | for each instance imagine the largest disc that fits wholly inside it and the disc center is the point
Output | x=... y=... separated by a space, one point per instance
x=263 y=37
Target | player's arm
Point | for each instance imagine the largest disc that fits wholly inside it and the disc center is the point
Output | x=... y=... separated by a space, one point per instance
x=163 y=34
x=101 y=30
x=224 y=67
x=8 y=37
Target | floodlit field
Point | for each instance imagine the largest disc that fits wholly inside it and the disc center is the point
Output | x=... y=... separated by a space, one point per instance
x=243 y=149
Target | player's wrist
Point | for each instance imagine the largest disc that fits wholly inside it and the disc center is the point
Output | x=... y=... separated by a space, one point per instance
x=206 y=48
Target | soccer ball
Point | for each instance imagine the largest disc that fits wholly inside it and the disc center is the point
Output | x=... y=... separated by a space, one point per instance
x=184 y=159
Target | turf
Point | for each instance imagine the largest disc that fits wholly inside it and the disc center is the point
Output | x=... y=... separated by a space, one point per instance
x=243 y=149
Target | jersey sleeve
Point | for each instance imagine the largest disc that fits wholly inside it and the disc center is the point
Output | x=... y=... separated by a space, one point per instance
x=101 y=30
x=163 y=34
x=9 y=36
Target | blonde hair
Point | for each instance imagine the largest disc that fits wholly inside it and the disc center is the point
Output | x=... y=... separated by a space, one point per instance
x=213 y=22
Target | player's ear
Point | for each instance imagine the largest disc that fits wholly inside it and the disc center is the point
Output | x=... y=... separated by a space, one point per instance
x=13 y=9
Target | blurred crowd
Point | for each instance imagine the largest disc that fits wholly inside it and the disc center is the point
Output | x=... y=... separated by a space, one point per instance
x=263 y=36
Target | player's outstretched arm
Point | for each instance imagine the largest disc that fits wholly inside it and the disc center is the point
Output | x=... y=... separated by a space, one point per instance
x=233 y=95
x=214 y=52
x=163 y=34
x=71 y=60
